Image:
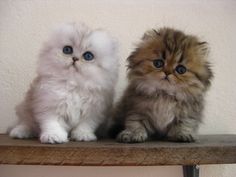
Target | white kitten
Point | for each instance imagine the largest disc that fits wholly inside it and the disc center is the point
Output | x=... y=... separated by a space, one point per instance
x=73 y=92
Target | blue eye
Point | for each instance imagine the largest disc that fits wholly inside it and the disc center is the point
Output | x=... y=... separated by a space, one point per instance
x=88 y=56
x=159 y=63
x=67 y=50
x=181 y=69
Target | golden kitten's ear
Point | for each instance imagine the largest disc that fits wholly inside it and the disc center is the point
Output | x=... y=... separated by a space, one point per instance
x=207 y=74
x=131 y=59
x=210 y=75
x=203 y=48
x=150 y=34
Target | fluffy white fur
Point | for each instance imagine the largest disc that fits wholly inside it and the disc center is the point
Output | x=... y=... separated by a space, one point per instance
x=67 y=100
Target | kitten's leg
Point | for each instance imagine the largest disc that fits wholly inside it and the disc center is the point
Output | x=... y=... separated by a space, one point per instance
x=88 y=123
x=183 y=131
x=52 y=131
x=26 y=127
x=84 y=131
x=135 y=131
x=22 y=130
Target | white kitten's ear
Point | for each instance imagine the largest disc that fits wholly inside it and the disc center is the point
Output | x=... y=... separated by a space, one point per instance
x=63 y=28
x=104 y=41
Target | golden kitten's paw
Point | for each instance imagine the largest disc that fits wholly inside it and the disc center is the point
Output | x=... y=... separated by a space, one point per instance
x=183 y=137
x=127 y=136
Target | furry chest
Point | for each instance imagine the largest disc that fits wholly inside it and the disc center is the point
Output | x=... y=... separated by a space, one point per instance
x=164 y=113
x=70 y=107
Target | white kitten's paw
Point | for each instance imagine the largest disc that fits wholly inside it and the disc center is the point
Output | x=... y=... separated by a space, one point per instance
x=83 y=136
x=21 y=131
x=54 y=137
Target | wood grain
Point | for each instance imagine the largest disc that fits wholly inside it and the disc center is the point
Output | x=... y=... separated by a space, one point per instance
x=209 y=149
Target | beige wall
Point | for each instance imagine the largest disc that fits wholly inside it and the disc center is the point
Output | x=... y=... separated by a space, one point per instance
x=24 y=25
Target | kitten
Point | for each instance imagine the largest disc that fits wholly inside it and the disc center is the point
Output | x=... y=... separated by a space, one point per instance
x=168 y=77
x=72 y=94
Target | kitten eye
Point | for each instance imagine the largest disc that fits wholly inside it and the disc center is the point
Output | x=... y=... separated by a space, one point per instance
x=88 y=56
x=67 y=50
x=158 y=63
x=180 y=69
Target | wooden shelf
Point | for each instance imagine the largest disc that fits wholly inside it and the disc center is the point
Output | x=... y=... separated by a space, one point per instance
x=209 y=149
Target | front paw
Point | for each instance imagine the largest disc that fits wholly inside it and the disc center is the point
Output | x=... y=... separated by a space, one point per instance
x=127 y=136
x=53 y=137
x=183 y=137
x=78 y=135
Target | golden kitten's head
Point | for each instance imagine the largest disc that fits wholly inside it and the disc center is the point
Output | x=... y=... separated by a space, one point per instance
x=169 y=60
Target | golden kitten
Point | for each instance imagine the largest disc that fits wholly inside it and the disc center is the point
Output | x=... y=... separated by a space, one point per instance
x=168 y=77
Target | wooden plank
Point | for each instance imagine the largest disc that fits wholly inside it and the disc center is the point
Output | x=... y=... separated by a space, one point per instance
x=209 y=149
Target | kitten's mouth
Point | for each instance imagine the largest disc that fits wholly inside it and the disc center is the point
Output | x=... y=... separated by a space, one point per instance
x=166 y=79
x=73 y=64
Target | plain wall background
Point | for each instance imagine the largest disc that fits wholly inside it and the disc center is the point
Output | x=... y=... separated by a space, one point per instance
x=25 y=24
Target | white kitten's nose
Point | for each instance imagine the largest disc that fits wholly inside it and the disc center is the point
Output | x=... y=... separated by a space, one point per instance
x=75 y=59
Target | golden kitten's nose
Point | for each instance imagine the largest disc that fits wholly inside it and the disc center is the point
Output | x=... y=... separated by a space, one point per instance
x=166 y=77
x=168 y=70
x=75 y=59
x=167 y=73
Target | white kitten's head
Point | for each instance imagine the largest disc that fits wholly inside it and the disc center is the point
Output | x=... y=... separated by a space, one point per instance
x=74 y=51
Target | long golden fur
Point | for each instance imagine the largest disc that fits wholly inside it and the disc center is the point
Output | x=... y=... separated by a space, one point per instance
x=168 y=77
